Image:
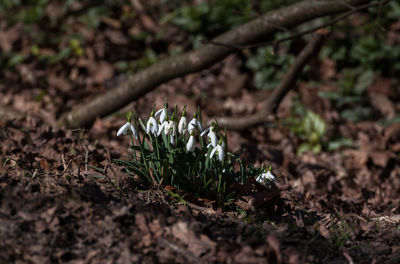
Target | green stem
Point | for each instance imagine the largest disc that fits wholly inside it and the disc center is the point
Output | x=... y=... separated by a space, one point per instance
x=133 y=150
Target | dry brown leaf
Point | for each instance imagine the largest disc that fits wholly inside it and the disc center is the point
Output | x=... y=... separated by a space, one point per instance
x=101 y=71
x=9 y=36
x=116 y=37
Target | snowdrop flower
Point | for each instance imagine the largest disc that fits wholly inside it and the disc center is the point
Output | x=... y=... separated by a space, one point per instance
x=265 y=178
x=191 y=143
x=162 y=128
x=219 y=150
x=152 y=125
x=169 y=128
x=163 y=113
x=212 y=136
x=194 y=124
x=125 y=130
x=182 y=126
x=172 y=128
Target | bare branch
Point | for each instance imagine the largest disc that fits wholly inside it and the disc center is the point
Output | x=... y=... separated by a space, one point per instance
x=305 y=32
x=202 y=58
x=272 y=103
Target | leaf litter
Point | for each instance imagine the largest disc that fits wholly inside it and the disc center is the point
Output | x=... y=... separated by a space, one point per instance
x=63 y=200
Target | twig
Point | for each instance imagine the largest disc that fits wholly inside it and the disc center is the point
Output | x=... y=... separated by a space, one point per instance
x=86 y=156
x=305 y=32
x=272 y=103
x=202 y=58
x=347 y=4
x=65 y=165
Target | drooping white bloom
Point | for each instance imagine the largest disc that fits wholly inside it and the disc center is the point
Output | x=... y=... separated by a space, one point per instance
x=219 y=150
x=195 y=125
x=212 y=136
x=163 y=112
x=265 y=178
x=125 y=130
x=152 y=126
x=161 y=128
x=182 y=126
x=172 y=128
x=169 y=128
x=191 y=143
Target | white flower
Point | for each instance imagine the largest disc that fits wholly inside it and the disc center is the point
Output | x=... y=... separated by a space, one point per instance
x=265 y=178
x=219 y=151
x=172 y=128
x=191 y=143
x=182 y=126
x=161 y=128
x=212 y=136
x=152 y=126
x=163 y=114
x=169 y=128
x=126 y=128
x=195 y=125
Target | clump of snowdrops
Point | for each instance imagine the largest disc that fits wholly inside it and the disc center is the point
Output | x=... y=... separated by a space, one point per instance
x=173 y=149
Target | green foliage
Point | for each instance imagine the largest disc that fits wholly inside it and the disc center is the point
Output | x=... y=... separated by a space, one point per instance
x=339 y=143
x=350 y=100
x=308 y=126
x=340 y=231
x=92 y=17
x=212 y=16
x=366 y=46
x=7 y=4
x=149 y=58
x=162 y=159
x=311 y=130
x=268 y=67
x=391 y=121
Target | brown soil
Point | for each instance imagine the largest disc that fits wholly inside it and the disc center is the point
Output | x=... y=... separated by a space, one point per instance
x=62 y=199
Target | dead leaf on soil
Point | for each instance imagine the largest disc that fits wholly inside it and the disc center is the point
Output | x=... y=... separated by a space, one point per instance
x=197 y=246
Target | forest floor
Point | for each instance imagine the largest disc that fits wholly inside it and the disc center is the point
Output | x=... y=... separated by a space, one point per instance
x=63 y=199
x=339 y=206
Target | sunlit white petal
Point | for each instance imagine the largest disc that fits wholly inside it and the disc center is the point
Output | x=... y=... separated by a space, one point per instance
x=199 y=125
x=126 y=128
x=182 y=126
x=205 y=131
x=134 y=132
x=152 y=126
x=213 y=152
x=190 y=144
x=123 y=130
x=195 y=126
x=265 y=178
x=162 y=127
x=192 y=125
x=172 y=128
x=221 y=153
x=212 y=137
x=163 y=114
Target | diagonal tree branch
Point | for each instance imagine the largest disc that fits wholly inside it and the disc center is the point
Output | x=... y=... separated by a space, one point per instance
x=305 y=32
x=202 y=58
x=272 y=103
